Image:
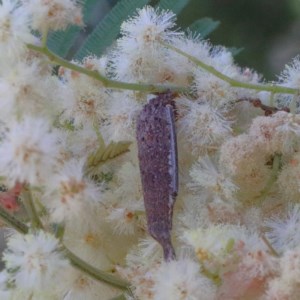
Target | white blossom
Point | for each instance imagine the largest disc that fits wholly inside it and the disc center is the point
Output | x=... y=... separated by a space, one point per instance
x=70 y=194
x=181 y=280
x=14 y=30
x=205 y=175
x=283 y=233
x=138 y=55
x=35 y=262
x=28 y=152
x=202 y=126
x=54 y=14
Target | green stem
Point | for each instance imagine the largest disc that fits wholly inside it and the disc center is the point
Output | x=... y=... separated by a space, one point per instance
x=44 y=37
x=30 y=208
x=13 y=221
x=234 y=83
x=268 y=244
x=99 y=135
x=108 y=83
x=95 y=273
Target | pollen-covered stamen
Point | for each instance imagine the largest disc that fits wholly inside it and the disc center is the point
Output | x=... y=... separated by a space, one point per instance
x=71 y=188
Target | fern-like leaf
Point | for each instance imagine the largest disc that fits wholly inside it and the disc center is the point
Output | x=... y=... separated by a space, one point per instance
x=204 y=26
x=60 y=41
x=105 y=153
x=176 y=6
x=108 y=28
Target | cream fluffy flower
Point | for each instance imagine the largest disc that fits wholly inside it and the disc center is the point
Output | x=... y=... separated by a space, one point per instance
x=86 y=104
x=138 y=55
x=53 y=14
x=206 y=176
x=181 y=280
x=246 y=161
x=286 y=285
x=69 y=194
x=14 y=32
x=28 y=88
x=278 y=133
x=215 y=239
x=126 y=212
x=283 y=233
x=289 y=179
x=28 y=152
x=203 y=127
x=122 y=110
x=290 y=76
x=150 y=25
x=36 y=263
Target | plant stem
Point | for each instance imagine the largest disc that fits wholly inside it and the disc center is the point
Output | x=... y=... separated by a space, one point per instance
x=234 y=83
x=95 y=273
x=13 y=221
x=108 y=83
x=44 y=37
x=30 y=208
x=268 y=244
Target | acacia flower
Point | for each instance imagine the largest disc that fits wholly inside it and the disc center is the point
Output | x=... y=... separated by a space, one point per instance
x=14 y=30
x=34 y=262
x=138 y=55
x=283 y=232
x=181 y=280
x=202 y=126
x=126 y=212
x=28 y=152
x=286 y=284
x=70 y=194
x=206 y=176
x=53 y=14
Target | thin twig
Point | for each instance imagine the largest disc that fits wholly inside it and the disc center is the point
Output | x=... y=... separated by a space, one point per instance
x=95 y=273
x=13 y=221
x=234 y=83
x=108 y=83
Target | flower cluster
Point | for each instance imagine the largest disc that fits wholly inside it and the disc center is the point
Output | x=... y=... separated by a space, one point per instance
x=70 y=176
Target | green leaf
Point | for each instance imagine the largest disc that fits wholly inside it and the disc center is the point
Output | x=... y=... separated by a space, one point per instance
x=108 y=28
x=204 y=26
x=60 y=42
x=176 y=6
x=104 y=153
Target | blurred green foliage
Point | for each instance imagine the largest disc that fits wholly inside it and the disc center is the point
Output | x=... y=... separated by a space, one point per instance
x=250 y=24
